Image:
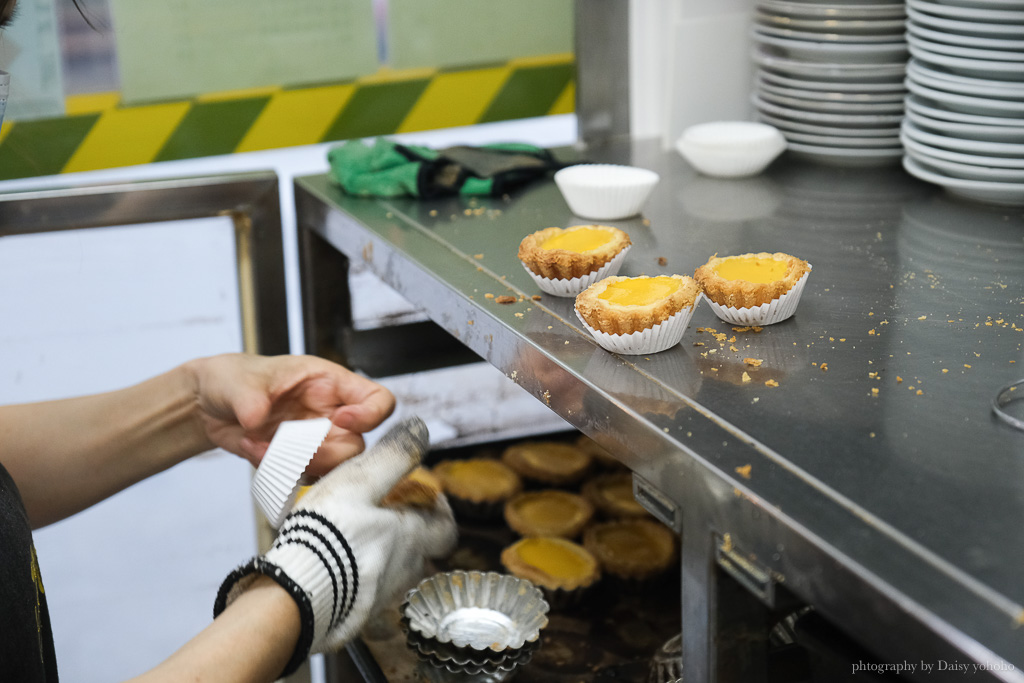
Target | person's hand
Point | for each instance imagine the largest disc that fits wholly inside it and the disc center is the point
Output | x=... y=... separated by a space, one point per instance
x=243 y=398
x=341 y=555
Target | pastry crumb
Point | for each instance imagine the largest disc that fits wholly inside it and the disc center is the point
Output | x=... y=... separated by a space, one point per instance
x=771 y=383
x=505 y=299
x=745 y=377
x=824 y=367
x=488 y=296
x=753 y=362
x=744 y=471
x=478 y=256
x=536 y=297
x=662 y=261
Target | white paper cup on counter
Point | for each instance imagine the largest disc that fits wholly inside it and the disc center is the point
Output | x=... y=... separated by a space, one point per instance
x=775 y=311
x=731 y=149
x=571 y=287
x=662 y=336
x=279 y=475
x=606 y=191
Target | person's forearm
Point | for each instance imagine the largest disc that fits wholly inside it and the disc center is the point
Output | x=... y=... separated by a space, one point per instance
x=250 y=642
x=68 y=454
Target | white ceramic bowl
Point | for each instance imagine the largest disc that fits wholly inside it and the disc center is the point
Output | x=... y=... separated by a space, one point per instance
x=731 y=149
x=605 y=191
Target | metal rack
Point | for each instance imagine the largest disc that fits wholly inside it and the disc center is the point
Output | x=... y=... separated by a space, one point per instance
x=868 y=478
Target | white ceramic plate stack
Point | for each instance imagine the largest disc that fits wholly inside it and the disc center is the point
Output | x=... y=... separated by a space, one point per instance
x=830 y=76
x=964 y=126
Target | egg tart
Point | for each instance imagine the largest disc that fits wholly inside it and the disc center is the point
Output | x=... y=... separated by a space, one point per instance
x=420 y=488
x=623 y=305
x=477 y=487
x=551 y=463
x=548 y=512
x=566 y=253
x=612 y=496
x=750 y=280
x=562 y=569
x=632 y=550
x=599 y=453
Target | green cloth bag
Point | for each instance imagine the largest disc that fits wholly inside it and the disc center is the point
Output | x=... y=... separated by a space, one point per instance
x=389 y=169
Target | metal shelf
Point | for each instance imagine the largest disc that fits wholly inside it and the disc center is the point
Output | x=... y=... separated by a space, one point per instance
x=872 y=482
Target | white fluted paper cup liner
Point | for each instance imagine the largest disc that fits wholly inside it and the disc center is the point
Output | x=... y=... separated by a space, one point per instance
x=605 y=191
x=775 y=311
x=662 y=336
x=566 y=288
x=277 y=479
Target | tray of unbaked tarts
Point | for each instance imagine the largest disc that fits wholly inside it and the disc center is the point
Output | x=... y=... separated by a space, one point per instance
x=474 y=623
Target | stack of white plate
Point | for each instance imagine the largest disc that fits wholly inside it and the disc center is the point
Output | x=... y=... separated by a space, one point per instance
x=830 y=76
x=964 y=126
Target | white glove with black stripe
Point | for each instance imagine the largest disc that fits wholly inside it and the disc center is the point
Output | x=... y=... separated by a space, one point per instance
x=341 y=555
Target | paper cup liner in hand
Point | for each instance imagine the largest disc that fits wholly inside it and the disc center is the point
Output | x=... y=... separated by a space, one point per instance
x=572 y=287
x=664 y=335
x=775 y=311
x=278 y=476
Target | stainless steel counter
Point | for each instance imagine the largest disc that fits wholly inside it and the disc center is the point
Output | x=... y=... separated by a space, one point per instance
x=872 y=482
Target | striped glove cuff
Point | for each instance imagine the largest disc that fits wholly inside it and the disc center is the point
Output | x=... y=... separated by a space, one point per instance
x=314 y=562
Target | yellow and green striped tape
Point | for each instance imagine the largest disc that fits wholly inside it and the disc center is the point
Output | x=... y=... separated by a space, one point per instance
x=98 y=132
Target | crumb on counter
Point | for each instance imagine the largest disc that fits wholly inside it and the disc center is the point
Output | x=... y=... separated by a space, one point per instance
x=488 y=296
x=744 y=471
x=506 y=299
x=753 y=362
x=771 y=383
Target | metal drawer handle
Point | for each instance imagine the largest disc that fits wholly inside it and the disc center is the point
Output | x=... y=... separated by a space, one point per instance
x=1007 y=395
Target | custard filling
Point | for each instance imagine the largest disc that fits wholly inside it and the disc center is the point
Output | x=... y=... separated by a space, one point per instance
x=554 y=459
x=486 y=479
x=553 y=559
x=625 y=543
x=548 y=509
x=639 y=291
x=759 y=270
x=579 y=241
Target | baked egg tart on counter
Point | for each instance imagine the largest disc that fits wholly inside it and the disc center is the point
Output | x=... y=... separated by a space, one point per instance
x=563 y=570
x=565 y=261
x=548 y=512
x=548 y=463
x=477 y=487
x=633 y=550
x=636 y=315
x=753 y=289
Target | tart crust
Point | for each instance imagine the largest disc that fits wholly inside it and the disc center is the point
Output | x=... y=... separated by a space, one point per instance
x=612 y=496
x=552 y=563
x=566 y=264
x=631 y=549
x=613 y=318
x=739 y=293
x=549 y=512
x=549 y=462
x=478 y=480
x=420 y=488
